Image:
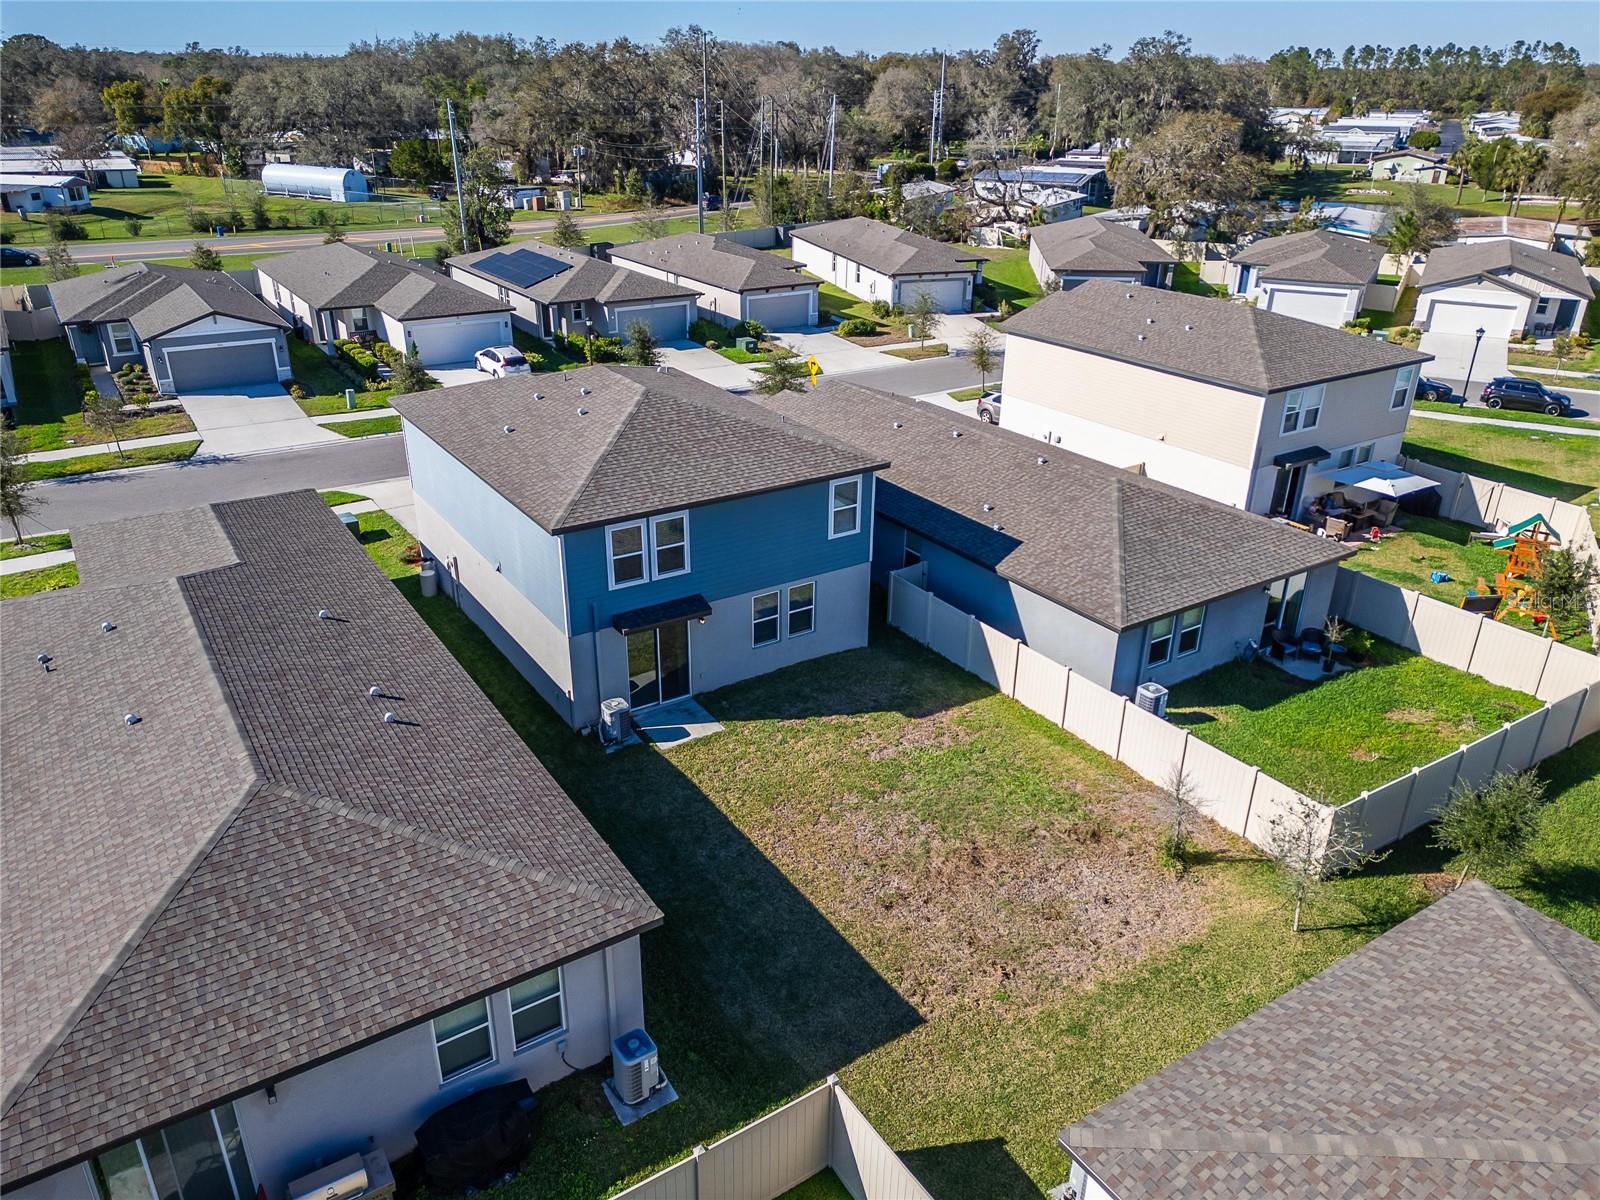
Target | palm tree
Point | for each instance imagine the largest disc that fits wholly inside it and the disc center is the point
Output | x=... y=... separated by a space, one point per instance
x=1405 y=236
x=1527 y=160
x=1461 y=161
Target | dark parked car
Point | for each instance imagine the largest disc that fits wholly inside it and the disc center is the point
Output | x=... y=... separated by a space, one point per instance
x=1529 y=394
x=713 y=201
x=10 y=256
x=1439 y=393
x=989 y=407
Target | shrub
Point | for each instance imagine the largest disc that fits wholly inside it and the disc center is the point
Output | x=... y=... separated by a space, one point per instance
x=1591 y=255
x=358 y=357
x=298 y=392
x=133 y=225
x=260 y=218
x=917 y=170
x=1424 y=139
x=65 y=229
x=712 y=346
x=388 y=355
x=200 y=222
x=857 y=327
x=5 y=237
x=946 y=170
x=602 y=349
x=881 y=308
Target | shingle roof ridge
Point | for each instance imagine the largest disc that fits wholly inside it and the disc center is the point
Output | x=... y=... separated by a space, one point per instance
x=1333 y=1145
x=511 y=865
x=1119 y=556
x=1561 y=976
x=564 y=514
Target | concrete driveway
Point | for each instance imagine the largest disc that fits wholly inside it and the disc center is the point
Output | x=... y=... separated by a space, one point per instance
x=1453 y=353
x=251 y=420
x=708 y=365
x=833 y=354
x=455 y=374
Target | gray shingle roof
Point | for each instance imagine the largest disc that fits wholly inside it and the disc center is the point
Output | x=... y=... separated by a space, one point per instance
x=1468 y=260
x=156 y=299
x=1199 y=337
x=1315 y=256
x=888 y=249
x=645 y=441
x=1119 y=548
x=1453 y=1056
x=206 y=900
x=1090 y=244
x=720 y=262
x=338 y=275
x=585 y=278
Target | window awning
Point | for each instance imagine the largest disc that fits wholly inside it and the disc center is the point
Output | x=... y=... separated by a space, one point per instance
x=689 y=608
x=1293 y=458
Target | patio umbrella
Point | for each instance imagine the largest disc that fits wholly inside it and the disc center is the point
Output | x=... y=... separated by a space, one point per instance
x=1383 y=478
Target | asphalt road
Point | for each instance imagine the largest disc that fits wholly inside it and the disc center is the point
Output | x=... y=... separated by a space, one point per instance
x=68 y=503
x=255 y=243
x=918 y=378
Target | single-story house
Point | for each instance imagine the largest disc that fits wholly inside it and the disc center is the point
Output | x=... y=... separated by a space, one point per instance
x=878 y=261
x=1318 y=275
x=1496 y=124
x=922 y=201
x=1087 y=175
x=194 y=331
x=1452 y=1056
x=1250 y=407
x=1002 y=208
x=1566 y=236
x=1504 y=287
x=23 y=193
x=1113 y=574
x=1411 y=166
x=339 y=291
x=313 y=889
x=1353 y=143
x=637 y=533
x=1084 y=248
x=734 y=282
x=114 y=169
x=552 y=290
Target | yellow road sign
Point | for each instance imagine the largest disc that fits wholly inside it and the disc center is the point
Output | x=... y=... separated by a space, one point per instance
x=814 y=367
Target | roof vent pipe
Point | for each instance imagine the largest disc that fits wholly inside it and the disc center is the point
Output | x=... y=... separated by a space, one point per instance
x=988 y=508
x=1141 y=337
x=1188 y=328
x=583 y=412
x=583 y=391
x=538 y=395
x=899 y=424
x=390 y=719
x=955 y=433
x=44 y=660
x=1043 y=460
x=1149 y=320
x=131 y=719
x=374 y=692
x=508 y=429
x=106 y=626
x=324 y=615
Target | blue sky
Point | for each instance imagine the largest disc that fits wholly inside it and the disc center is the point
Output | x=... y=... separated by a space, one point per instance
x=1257 y=28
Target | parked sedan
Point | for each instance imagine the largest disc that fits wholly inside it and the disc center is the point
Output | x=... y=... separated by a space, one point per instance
x=1528 y=394
x=10 y=256
x=501 y=361
x=989 y=407
x=1439 y=393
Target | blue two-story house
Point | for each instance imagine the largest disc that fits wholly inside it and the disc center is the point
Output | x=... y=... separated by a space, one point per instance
x=635 y=532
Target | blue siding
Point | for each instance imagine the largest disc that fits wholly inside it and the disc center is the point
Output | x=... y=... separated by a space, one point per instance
x=735 y=546
x=529 y=558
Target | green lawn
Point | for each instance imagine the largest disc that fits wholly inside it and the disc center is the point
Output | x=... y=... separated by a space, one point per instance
x=1337 y=183
x=964 y=394
x=333 y=496
x=884 y=869
x=50 y=403
x=39 y=544
x=46 y=579
x=1501 y=414
x=833 y=301
x=1340 y=736
x=132 y=456
x=1539 y=460
x=26 y=275
x=630 y=232
x=824 y=1185
x=1007 y=275
x=914 y=353
x=1186 y=278
x=163 y=202
x=1405 y=312
x=368 y=428
x=1561 y=383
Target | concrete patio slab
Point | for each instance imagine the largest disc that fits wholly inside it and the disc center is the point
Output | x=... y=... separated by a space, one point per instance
x=677 y=722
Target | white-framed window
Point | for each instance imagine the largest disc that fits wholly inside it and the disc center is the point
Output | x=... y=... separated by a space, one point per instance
x=625 y=549
x=1302 y=408
x=764 y=619
x=802 y=608
x=858 y=272
x=463 y=1040
x=360 y=323
x=1543 y=305
x=1160 y=649
x=669 y=544
x=580 y=311
x=1402 y=387
x=121 y=337
x=537 y=1008
x=1190 y=622
x=844 y=507
x=1364 y=452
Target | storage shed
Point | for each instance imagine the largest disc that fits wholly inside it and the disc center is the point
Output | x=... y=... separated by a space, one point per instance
x=339 y=184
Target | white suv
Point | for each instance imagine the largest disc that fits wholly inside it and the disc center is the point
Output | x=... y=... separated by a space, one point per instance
x=501 y=361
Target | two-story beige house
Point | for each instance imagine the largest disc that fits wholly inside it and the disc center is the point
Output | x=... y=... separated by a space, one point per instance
x=1252 y=408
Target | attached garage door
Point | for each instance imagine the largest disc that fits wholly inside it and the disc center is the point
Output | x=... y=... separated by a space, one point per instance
x=1320 y=308
x=222 y=368
x=668 y=322
x=442 y=342
x=1454 y=316
x=948 y=295
x=780 y=310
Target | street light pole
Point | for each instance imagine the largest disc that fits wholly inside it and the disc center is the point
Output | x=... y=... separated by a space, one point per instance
x=1467 y=386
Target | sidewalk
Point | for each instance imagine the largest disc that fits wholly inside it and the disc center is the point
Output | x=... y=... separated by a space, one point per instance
x=36 y=562
x=1526 y=426
x=369 y=414
x=165 y=439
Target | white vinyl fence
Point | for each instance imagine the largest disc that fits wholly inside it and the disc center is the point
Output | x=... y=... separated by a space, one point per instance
x=1242 y=798
x=823 y=1128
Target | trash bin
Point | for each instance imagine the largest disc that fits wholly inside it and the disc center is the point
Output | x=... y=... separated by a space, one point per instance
x=220 y=230
x=430 y=581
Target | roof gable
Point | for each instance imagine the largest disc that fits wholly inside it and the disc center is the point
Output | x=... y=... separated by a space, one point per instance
x=1465 y=260
x=1091 y=244
x=157 y=299
x=1314 y=256
x=887 y=249
x=338 y=275
x=718 y=261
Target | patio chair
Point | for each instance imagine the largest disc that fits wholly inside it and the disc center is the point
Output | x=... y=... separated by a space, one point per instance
x=1384 y=512
x=1336 y=528
x=1312 y=642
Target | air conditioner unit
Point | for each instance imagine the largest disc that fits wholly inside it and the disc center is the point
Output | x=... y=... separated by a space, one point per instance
x=614 y=715
x=635 y=1071
x=1152 y=697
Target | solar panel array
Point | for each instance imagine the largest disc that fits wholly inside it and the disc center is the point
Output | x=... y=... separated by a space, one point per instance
x=521 y=268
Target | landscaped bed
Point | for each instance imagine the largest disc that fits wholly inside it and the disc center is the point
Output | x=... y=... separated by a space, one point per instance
x=1348 y=733
x=49 y=411
x=45 y=579
x=913 y=353
x=884 y=869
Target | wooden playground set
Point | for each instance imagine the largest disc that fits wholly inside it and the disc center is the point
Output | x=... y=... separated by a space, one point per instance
x=1516 y=587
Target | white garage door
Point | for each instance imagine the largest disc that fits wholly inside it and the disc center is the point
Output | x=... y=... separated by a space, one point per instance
x=442 y=342
x=780 y=310
x=948 y=295
x=1321 y=308
x=668 y=322
x=1454 y=316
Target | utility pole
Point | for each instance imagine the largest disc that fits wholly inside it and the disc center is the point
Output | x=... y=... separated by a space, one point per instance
x=774 y=141
x=699 y=172
x=577 y=156
x=1055 y=126
x=833 y=118
x=455 y=163
x=936 y=126
x=722 y=174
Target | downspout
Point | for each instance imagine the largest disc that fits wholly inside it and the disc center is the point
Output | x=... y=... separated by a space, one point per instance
x=594 y=627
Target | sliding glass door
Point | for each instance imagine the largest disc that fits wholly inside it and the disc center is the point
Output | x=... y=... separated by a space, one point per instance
x=198 y=1158
x=658 y=664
